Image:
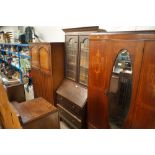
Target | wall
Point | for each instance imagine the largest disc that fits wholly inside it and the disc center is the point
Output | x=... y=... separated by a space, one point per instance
x=50 y=34
x=45 y=33
x=128 y=28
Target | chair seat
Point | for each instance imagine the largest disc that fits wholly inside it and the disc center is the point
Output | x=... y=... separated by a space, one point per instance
x=34 y=109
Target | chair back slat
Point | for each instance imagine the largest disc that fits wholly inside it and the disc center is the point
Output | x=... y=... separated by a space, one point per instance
x=9 y=117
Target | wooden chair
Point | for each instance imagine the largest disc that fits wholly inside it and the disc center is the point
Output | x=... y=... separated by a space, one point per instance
x=37 y=113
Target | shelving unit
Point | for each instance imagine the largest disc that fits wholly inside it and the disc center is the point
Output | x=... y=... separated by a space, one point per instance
x=17 y=52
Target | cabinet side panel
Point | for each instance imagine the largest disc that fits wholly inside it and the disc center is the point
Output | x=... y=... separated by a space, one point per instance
x=57 y=52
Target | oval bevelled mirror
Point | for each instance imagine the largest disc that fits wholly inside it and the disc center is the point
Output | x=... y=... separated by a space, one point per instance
x=120 y=89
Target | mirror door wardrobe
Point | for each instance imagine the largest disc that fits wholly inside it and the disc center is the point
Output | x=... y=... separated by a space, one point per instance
x=105 y=50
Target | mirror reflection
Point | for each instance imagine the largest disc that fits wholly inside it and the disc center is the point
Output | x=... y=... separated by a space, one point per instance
x=120 y=90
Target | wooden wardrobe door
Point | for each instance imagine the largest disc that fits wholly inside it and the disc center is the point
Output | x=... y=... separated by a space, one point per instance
x=45 y=58
x=97 y=84
x=71 y=57
x=145 y=104
x=135 y=49
x=34 y=56
x=47 y=91
x=102 y=58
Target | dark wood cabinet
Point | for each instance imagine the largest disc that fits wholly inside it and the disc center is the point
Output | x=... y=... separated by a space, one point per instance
x=47 y=61
x=104 y=49
x=71 y=102
x=72 y=94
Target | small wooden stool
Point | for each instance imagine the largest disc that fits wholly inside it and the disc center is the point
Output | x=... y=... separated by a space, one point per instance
x=38 y=113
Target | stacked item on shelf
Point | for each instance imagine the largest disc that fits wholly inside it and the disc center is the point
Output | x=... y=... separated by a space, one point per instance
x=16 y=58
x=8 y=74
x=25 y=60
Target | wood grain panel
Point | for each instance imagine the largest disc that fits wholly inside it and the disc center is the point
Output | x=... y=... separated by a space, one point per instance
x=47 y=87
x=9 y=117
x=44 y=58
x=97 y=101
x=37 y=82
x=34 y=57
x=144 y=117
x=58 y=66
x=124 y=35
x=145 y=111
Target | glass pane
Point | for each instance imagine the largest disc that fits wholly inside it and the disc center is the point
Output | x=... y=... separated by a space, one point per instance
x=84 y=62
x=71 y=54
x=120 y=90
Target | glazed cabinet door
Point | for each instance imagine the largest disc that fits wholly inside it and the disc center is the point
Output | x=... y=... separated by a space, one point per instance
x=97 y=84
x=84 y=59
x=145 y=105
x=71 y=57
x=45 y=58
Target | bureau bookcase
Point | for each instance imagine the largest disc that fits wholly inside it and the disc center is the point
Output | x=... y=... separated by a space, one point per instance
x=72 y=93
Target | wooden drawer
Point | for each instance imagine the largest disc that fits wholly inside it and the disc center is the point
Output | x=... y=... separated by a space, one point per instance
x=67 y=116
x=70 y=106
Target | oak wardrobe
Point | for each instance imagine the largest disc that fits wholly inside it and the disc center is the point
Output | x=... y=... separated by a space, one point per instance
x=47 y=67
